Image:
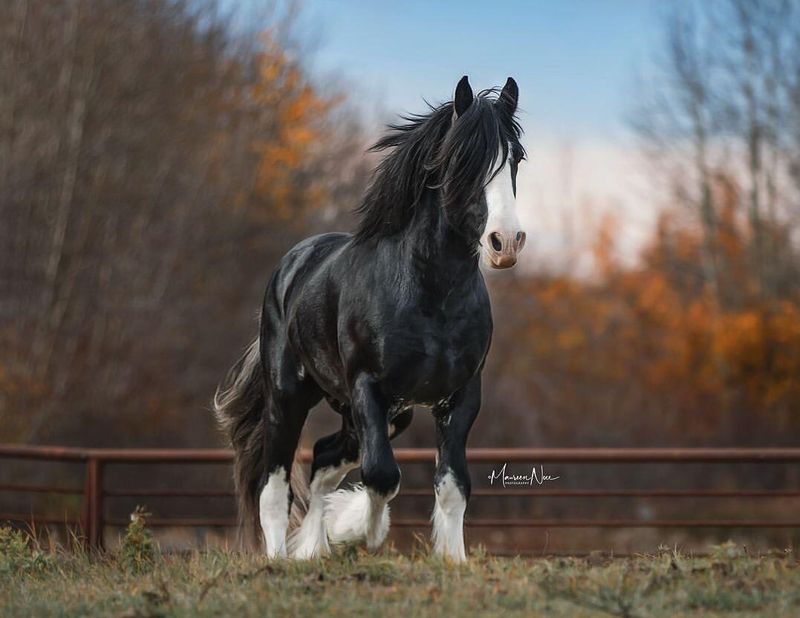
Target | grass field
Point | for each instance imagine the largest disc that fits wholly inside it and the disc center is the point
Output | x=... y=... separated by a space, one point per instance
x=140 y=581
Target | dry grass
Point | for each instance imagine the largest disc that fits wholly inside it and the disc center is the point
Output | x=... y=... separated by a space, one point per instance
x=54 y=582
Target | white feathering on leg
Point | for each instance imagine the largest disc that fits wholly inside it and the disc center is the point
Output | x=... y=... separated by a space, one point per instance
x=274 y=514
x=353 y=515
x=310 y=539
x=378 y=519
x=448 y=519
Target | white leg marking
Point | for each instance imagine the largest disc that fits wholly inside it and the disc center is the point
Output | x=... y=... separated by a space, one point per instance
x=378 y=519
x=357 y=514
x=448 y=519
x=274 y=513
x=310 y=540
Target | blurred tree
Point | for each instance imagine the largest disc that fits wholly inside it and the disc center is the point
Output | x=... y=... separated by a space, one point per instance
x=698 y=341
x=724 y=103
x=154 y=166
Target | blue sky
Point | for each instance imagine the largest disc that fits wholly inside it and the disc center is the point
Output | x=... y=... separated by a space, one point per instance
x=575 y=60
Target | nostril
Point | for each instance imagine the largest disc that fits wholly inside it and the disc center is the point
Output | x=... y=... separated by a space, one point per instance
x=494 y=238
x=520 y=239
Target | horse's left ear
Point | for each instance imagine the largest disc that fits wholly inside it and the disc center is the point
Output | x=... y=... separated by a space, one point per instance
x=463 y=96
x=509 y=96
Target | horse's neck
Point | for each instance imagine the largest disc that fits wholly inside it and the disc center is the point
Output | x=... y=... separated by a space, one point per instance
x=438 y=256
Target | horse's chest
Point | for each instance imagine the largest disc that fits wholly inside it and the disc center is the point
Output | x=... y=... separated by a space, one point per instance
x=429 y=359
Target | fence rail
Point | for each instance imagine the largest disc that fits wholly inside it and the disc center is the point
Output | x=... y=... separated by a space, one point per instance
x=95 y=460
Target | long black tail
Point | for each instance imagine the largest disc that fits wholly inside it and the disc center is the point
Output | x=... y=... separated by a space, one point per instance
x=239 y=405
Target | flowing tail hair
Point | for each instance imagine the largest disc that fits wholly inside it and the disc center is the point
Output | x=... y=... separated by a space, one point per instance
x=240 y=406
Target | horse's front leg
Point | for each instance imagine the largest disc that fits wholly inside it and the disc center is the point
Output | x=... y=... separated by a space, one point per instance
x=452 y=483
x=363 y=513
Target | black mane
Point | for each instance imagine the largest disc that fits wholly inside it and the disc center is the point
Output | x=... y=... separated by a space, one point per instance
x=431 y=152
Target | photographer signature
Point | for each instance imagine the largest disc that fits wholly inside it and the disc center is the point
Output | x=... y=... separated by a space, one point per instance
x=505 y=479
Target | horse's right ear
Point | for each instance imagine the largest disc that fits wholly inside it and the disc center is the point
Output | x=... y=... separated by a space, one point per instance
x=463 y=96
x=509 y=96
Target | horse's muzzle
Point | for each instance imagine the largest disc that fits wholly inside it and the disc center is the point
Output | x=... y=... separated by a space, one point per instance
x=502 y=248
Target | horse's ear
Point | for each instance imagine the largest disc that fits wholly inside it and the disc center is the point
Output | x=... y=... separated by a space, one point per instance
x=509 y=96
x=463 y=96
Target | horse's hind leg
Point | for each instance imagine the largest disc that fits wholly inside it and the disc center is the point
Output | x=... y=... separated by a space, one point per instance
x=334 y=456
x=282 y=433
x=289 y=398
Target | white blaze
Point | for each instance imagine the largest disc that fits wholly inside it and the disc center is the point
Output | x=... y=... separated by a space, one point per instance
x=501 y=204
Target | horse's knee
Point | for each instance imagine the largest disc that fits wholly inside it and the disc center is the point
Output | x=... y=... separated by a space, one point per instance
x=325 y=443
x=400 y=423
x=381 y=475
x=338 y=450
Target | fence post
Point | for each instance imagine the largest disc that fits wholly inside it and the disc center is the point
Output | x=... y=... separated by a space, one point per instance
x=93 y=503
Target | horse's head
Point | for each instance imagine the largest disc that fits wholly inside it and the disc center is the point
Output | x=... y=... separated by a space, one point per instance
x=466 y=152
x=489 y=132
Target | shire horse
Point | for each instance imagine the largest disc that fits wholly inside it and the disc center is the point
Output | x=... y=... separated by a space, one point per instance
x=391 y=316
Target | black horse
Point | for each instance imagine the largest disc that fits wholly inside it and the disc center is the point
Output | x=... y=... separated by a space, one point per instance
x=394 y=315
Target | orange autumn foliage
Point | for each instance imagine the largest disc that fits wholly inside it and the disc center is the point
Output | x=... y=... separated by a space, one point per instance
x=299 y=117
x=654 y=349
